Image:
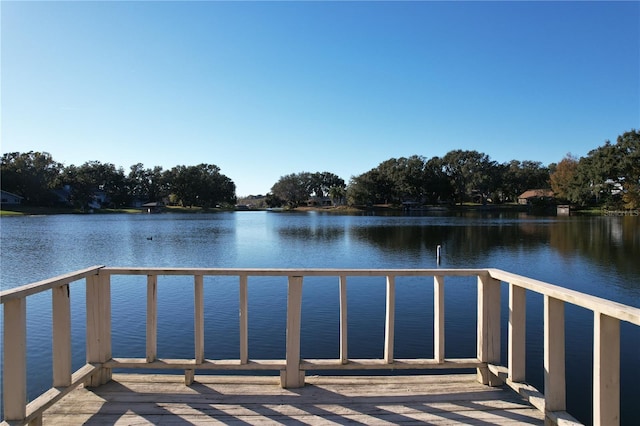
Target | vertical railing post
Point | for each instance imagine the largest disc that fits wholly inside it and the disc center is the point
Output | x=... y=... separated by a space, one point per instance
x=344 y=356
x=554 y=360
x=198 y=326
x=61 y=312
x=488 y=337
x=98 y=340
x=152 y=318
x=244 y=320
x=517 y=334
x=105 y=285
x=438 y=318
x=292 y=376
x=15 y=359
x=606 y=370
x=390 y=320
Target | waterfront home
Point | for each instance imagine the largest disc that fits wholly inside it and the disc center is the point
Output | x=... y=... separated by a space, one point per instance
x=10 y=198
x=154 y=207
x=533 y=195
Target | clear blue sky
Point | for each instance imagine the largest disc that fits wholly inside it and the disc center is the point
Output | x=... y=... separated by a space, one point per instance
x=271 y=88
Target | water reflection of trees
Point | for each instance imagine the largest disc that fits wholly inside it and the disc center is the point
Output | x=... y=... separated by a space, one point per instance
x=409 y=239
x=324 y=233
x=470 y=241
x=613 y=242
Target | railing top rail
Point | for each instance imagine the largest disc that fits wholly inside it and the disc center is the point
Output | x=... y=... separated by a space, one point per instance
x=49 y=283
x=593 y=303
x=588 y=301
x=307 y=272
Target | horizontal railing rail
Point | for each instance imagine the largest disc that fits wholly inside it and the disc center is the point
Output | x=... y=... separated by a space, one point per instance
x=487 y=362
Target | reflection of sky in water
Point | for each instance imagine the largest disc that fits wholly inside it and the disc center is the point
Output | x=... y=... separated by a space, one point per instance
x=615 y=230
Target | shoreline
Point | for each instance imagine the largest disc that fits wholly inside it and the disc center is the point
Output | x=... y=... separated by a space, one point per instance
x=21 y=210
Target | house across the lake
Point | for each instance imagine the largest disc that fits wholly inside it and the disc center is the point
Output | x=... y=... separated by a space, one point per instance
x=10 y=198
x=154 y=207
x=316 y=201
x=534 y=195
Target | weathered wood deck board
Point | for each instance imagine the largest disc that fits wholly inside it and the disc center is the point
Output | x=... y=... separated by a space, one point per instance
x=164 y=399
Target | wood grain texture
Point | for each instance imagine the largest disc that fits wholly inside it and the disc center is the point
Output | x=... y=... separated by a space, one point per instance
x=164 y=399
x=61 y=354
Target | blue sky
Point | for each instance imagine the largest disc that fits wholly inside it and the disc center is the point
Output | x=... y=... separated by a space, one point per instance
x=264 y=89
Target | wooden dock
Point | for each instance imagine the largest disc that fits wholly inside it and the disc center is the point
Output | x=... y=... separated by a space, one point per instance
x=296 y=397
x=165 y=399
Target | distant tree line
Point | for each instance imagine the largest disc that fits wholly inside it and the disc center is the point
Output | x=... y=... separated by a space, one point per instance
x=457 y=177
x=608 y=176
x=42 y=181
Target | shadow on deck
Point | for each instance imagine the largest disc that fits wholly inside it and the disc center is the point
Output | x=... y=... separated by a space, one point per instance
x=164 y=399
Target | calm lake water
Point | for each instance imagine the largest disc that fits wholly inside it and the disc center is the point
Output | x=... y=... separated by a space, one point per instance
x=595 y=255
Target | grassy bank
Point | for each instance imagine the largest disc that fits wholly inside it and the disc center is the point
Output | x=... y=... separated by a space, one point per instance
x=22 y=210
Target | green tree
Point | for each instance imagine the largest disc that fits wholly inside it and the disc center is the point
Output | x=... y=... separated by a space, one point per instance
x=90 y=178
x=31 y=175
x=202 y=186
x=517 y=177
x=388 y=182
x=138 y=182
x=337 y=194
x=385 y=177
x=361 y=189
x=80 y=184
x=470 y=172
x=377 y=186
x=437 y=183
x=413 y=179
x=321 y=182
x=294 y=188
x=562 y=178
x=146 y=184
x=628 y=148
x=403 y=179
x=274 y=201
x=608 y=175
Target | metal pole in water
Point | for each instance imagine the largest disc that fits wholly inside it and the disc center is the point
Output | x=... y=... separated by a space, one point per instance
x=438 y=254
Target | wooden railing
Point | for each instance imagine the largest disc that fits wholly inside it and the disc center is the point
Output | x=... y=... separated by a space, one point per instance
x=99 y=361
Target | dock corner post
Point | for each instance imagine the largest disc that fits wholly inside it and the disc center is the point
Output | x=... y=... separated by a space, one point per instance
x=606 y=370
x=15 y=359
x=293 y=376
x=98 y=301
x=488 y=335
